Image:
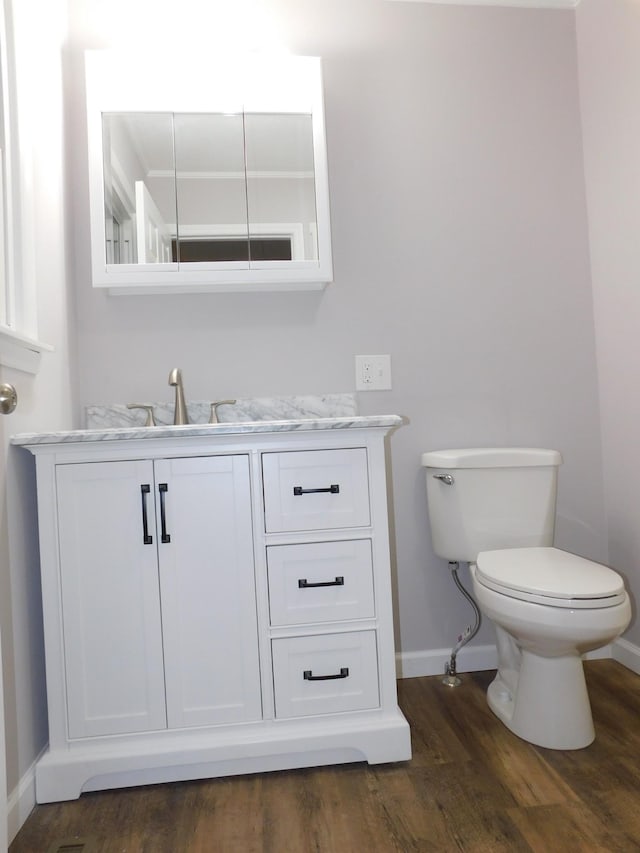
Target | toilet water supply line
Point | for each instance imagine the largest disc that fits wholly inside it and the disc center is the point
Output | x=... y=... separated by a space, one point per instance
x=469 y=632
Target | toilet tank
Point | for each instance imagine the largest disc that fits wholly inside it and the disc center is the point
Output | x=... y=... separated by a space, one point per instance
x=482 y=499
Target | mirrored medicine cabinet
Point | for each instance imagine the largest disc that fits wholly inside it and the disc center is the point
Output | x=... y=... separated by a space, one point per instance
x=207 y=175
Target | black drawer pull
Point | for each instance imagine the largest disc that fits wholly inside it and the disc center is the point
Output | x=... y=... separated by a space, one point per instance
x=145 y=488
x=298 y=490
x=163 y=488
x=308 y=675
x=303 y=583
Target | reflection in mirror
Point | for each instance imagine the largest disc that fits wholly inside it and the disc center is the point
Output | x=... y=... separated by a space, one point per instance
x=281 y=193
x=209 y=187
x=137 y=145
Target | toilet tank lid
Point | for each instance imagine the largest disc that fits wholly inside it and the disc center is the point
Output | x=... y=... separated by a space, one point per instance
x=491 y=457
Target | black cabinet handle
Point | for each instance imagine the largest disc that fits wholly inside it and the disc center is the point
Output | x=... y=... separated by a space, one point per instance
x=298 y=490
x=145 y=488
x=303 y=583
x=308 y=675
x=163 y=488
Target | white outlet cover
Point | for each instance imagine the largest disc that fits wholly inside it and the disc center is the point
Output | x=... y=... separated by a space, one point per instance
x=373 y=373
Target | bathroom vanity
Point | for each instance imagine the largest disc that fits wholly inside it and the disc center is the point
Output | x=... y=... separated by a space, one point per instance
x=217 y=600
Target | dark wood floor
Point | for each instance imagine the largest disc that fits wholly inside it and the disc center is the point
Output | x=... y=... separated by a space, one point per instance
x=471 y=786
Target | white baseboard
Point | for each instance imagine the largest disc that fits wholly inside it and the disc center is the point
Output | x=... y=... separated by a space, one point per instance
x=432 y=661
x=22 y=800
x=604 y=653
x=478 y=658
x=628 y=654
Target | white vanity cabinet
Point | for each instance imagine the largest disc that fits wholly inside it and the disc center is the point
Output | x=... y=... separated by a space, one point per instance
x=156 y=576
x=217 y=600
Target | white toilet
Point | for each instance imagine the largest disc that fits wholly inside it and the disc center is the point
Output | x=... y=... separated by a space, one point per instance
x=495 y=509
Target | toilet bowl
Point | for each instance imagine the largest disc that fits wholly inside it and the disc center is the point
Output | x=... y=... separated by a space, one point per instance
x=549 y=607
x=494 y=508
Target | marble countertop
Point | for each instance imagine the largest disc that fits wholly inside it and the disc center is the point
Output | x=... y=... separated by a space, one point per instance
x=207 y=430
x=242 y=410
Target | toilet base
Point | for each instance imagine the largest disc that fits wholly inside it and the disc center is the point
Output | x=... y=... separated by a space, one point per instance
x=549 y=706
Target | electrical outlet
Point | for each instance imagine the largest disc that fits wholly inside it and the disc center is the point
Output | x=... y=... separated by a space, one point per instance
x=373 y=373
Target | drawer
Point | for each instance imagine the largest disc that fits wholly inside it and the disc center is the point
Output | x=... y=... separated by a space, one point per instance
x=325 y=674
x=320 y=582
x=315 y=490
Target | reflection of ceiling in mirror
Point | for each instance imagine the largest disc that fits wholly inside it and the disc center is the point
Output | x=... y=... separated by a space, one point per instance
x=279 y=143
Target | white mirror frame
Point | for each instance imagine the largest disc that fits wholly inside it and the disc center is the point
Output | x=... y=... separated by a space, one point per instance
x=126 y=82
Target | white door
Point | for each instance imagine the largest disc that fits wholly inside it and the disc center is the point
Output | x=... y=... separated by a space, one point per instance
x=208 y=591
x=152 y=233
x=110 y=598
x=4 y=568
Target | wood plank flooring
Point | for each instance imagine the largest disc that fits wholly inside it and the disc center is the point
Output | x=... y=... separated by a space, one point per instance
x=471 y=786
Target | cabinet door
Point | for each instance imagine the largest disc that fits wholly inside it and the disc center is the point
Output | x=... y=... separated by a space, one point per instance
x=110 y=598
x=208 y=591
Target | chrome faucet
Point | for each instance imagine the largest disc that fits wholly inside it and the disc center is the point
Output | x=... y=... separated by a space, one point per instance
x=180 y=414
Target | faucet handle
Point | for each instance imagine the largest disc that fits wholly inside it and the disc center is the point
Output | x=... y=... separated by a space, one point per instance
x=214 y=409
x=151 y=421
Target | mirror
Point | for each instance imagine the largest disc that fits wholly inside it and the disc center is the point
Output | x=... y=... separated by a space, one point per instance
x=212 y=197
x=193 y=188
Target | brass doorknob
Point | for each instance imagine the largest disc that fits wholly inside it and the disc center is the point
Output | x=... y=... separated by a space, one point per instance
x=8 y=398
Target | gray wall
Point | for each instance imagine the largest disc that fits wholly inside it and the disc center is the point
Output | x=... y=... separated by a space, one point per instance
x=609 y=63
x=460 y=248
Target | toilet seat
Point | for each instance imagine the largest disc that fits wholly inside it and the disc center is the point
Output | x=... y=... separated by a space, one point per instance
x=550 y=576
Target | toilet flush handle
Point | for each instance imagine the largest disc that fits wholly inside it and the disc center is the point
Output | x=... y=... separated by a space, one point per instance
x=445 y=478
